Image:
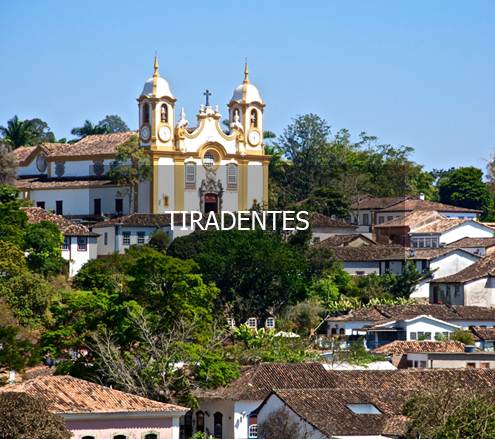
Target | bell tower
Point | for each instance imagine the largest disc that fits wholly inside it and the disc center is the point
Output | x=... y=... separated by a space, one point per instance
x=156 y=113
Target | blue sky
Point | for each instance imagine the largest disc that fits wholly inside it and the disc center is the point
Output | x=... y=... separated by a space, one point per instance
x=415 y=73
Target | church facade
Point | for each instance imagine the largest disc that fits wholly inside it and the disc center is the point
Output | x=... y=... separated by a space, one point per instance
x=199 y=168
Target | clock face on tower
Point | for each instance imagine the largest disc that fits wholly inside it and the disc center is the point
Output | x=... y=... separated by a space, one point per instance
x=145 y=133
x=165 y=133
x=254 y=137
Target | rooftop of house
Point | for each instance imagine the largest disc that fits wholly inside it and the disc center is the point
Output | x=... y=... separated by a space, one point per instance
x=410 y=204
x=485 y=267
x=483 y=334
x=256 y=382
x=443 y=225
x=143 y=219
x=330 y=410
x=343 y=240
x=473 y=242
x=66 y=226
x=365 y=252
x=66 y=394
x=399 y=347
x=414 y=218
x=96 y=145
x=419 y=254
x=449 y=313
x=44 y=182
x=376 y=203
x=319 y=220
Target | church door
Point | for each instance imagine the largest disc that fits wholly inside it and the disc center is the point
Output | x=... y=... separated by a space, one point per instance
x=211 y=203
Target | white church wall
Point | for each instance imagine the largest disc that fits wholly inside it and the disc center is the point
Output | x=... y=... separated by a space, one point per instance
x=30 y=169
x=166 y=184
x=144 y=197
x=255 y=183
x=211 y=133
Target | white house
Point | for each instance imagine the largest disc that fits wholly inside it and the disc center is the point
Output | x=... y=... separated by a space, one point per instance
x=119 y=233
x=80 y=244
x=478 y=246
x=324 y=227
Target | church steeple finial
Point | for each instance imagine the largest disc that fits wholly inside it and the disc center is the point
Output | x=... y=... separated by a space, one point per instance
x=246 y=74
x=156 y=74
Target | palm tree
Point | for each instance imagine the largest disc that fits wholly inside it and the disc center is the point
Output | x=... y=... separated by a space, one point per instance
x=277 y=163
x=17 y=133
x=88 y=129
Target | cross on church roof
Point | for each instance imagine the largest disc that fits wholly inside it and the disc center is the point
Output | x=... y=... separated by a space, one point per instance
x=207 y=94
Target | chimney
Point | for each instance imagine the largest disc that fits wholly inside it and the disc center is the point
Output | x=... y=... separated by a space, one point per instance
x=421 y=196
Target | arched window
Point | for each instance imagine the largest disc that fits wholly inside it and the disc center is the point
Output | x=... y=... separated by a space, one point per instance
x=164 y=113
x=342 y=331
x=200 y=422
x=146 y=113
x=188 y=424
x=151 y=436
x=120 y=436
x=253 y=430
x=254 y=118
x=232 y=177
x=88 y=437
x=334 y=331
x=217 y=421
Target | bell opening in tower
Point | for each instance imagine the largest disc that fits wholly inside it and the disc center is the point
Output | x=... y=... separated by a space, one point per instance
x=211 y=203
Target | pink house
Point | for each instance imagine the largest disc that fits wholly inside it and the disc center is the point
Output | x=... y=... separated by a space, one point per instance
x=92 y=411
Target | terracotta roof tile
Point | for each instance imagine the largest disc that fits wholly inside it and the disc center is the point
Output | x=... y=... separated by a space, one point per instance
x=483 y=268
x=366 y=252
x=256 y=382
x=66 y=394
x=399 y=347
x=373 y=203
x=409 y=205
x=473 y=242
x=343 y=240
x=484 y=334
x=143 y=219
x=44 y=182
x=416 y=254
x=443 y=225
x=23 y=152
x=66 y=226
x=410 y=219
x=319 y=220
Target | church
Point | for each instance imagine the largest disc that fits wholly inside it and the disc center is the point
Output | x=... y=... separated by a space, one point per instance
x=199 y=168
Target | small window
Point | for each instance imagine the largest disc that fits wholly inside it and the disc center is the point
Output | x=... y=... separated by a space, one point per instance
x=457 y=290
x=381 y=220
x=365 y=219
x=364 y=409
x=106 y=238
x=404 y=240
x=421 y=335
x=59 y=207
x=422 y=364
x=446 y=335
x=485 y=365
x=60 y=169
x=66 y=244
x=119 y=206
x=40 y=204
x=217 y=422
x=232 y=177
x=126 y=238
x=41 y=163
x=120 y=436
x=209 y=160
x=200 y=421
x=82 y=243
x=359 y=273
x=470 y=365
x=97 y=206
x=421 y=244
x=428 y=244
x=415 y=244
x=164 y=113
x=151 y=436
x=140 y=237
x=251 y=322
x=434 y=244
x=390 y=218
x=427 y=335
x=230 y=322
x=253 y=430
x=413 y=336
x=88 y=437
x=447 y=290
x=190 y=176
x=146 y=113
x=270 y=322
x=254 y=118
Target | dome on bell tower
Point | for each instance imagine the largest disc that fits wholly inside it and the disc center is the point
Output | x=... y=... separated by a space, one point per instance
x=246 y=92
x=156 y=86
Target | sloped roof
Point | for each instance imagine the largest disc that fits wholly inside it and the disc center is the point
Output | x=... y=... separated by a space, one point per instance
x=442 y=312
x=66 y=394
x=380 y=203
x=399 y=347
x=484 y=334
x=366 y=252
x=328 y=410
x=427 y=254
x=44 y=182
x=143 y=219
x=411 y=204
x=483 y=268
x=319 y=220
x=66 y=226
x=443 y=225
x=256 y=382
x=343 y=240
x=23 y=152
x=410 y=219
x=473 y=242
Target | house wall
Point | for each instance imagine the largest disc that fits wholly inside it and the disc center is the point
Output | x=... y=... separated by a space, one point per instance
x=424 y=324
x=466 y=230
x=226 y=408
x=77 y=257
x=452 y=361
x=451 y=299
x=366 y=267
x=479 y=292
x=395 y=266
x=347 y=326
x=327 y=232
x=133 y=427
x=458 y=215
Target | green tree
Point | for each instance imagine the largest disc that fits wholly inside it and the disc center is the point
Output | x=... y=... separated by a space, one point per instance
x=43 y=242
x=88 y=129
x=113 y=124
x=159 y=240
x=13 y=220
x=328 y=201
x=465 y=188
x=41 y=132
x=130 y=167
x=403 y=285
x=12 y=259
x=8 y=166
x=463 y=336
x=17 y=133
x=24 y=417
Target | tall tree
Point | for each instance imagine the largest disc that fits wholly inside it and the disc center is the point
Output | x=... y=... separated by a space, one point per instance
x=113 y=124
x=43 y=242
x=88 y=129
x=17 y=133
x=41 y=132
x=130 y=167
x=8 y=166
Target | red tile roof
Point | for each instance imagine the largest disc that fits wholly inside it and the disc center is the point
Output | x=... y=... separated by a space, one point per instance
x=484 y=334
x=66 y=227
x=44 y=182
x=411 y=219
x=444 y=225
x=409 y=205
x=473 y=242
x=366 y=252
x=399 y=347
x=343 y=240
x=66 y=394
x=319 y=220
x=485 y=267
x=144 y=219
x=372 y=203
